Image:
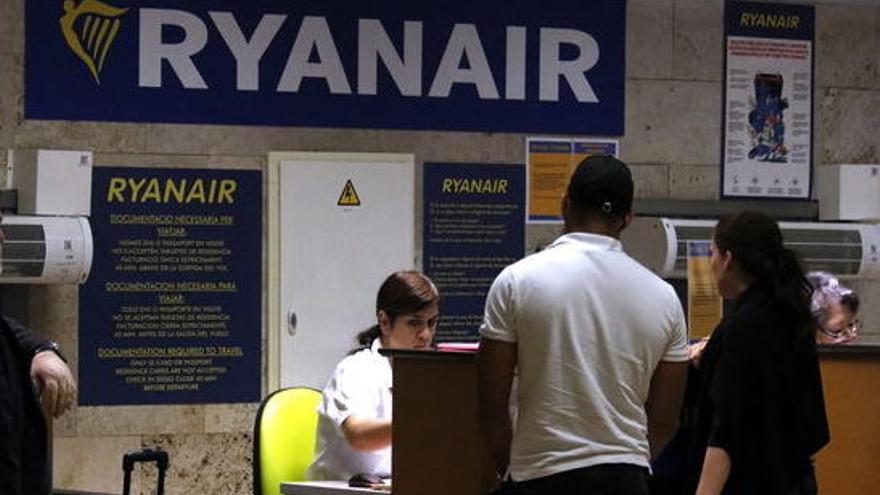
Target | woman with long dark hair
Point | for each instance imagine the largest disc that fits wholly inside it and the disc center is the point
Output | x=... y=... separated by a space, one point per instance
x=354 y=423
x=761 y=412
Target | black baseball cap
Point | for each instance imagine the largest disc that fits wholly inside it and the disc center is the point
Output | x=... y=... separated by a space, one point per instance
x=602 y=182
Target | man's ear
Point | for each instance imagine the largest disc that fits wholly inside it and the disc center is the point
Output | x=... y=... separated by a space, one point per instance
x=628 y=218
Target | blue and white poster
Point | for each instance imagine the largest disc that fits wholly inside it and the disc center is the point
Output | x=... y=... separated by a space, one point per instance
x=474 y=226
x=172 y=310
x=768 y=101
x=514 y=66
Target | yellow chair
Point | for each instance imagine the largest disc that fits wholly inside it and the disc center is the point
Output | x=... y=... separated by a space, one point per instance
x=284 y=438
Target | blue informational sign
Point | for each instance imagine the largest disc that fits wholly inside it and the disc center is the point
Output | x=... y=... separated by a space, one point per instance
x=474 y=226
x=513 y=65
x=171 y=312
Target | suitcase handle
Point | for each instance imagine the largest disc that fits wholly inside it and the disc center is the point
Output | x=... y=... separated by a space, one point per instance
x=145 y=455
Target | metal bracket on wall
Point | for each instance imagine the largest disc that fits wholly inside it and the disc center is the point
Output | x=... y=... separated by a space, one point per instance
x=684 y=208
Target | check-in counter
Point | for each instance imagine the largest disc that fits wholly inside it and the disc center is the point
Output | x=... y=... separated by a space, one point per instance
x=437 y=445
x=851 y=381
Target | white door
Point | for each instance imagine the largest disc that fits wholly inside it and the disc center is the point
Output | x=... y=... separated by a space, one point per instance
x=346 y=222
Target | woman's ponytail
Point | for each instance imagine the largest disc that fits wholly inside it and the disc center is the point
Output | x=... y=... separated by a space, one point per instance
x=791 y=289
x=366 y=337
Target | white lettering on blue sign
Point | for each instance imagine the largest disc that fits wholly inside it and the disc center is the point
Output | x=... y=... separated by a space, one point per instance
x=178 y=55
x=515 y=70
x=314 y=34
x=464 y=42
x=571 y=70
x=247 y=53
x=374 y=45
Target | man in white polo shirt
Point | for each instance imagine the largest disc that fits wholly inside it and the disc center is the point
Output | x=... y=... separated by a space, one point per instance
x=600 y=346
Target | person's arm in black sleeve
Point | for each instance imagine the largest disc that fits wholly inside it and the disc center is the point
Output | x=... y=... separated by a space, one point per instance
x=732 y=392
x=10 y=445
x=27 y=340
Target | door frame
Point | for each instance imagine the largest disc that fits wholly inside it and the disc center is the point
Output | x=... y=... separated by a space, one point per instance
x=273 y=192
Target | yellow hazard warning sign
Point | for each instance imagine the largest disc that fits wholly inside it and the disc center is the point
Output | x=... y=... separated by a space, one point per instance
x=349 y=196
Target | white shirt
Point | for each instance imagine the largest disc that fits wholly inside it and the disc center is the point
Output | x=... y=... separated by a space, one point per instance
x=360 y=385
x=591 y=324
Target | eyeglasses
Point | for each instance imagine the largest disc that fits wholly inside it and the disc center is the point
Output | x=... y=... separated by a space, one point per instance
x=843 y=334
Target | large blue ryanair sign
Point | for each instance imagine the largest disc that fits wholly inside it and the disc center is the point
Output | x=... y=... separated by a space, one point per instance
x=491 y=65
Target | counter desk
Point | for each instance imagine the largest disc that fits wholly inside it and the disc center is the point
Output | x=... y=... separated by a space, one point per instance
x=851 y=382
x=437 y=445
x=324 y=488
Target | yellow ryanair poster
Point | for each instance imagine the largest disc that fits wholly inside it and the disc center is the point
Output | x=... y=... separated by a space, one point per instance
x=551 y=162
x=704 y=302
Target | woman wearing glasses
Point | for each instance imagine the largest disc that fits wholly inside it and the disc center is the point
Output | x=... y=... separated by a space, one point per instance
x=761 y=412
x=834 y=307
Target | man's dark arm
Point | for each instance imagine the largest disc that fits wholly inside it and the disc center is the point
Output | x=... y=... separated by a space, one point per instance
x=497 y=361
x=664 y=404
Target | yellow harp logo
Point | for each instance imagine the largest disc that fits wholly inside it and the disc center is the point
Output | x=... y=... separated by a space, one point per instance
x=89 y=29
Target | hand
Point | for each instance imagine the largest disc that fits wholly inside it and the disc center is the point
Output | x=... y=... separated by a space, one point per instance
x=53 y=382
x=695 y=351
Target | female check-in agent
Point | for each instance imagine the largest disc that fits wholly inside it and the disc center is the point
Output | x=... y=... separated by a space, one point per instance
x=354 y=424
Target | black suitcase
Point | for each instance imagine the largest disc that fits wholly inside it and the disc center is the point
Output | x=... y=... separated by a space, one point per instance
x=128 y=461
x=157 y=455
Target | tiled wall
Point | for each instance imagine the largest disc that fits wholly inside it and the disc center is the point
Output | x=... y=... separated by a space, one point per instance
x=673 y=102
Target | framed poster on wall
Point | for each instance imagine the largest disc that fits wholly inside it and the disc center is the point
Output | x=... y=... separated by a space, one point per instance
x=171 y=312
x=473 y=227
x=767 y=129
x=550 y=163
